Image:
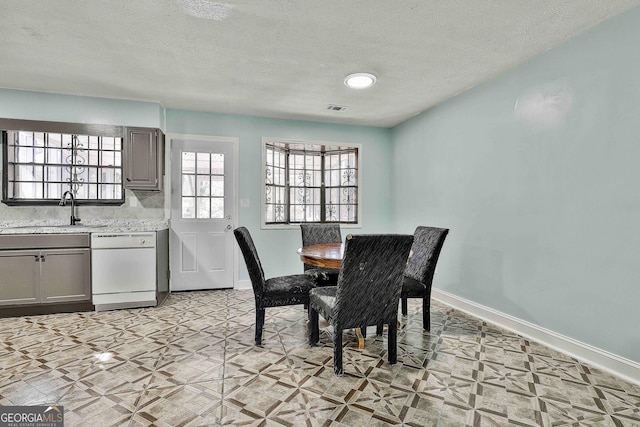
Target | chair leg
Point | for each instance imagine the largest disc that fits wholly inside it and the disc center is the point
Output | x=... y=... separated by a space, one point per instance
x=379 y=329
x=426 y=313
x=392 y=341
x=404 y=305
x=314 y=329
x=363 y=331
x=337 y=350
x=259 y=325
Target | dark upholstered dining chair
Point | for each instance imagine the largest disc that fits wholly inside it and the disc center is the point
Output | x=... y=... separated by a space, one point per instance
x=315 y=234
x=418 y=276
x=367 y=292
x=274 y=292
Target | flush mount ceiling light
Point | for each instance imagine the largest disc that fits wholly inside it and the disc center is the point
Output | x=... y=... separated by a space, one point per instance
x=359 y=80
x=205 y=9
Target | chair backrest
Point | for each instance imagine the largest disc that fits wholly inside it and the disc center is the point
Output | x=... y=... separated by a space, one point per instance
x=427 y=243
x=315 y=234
x=250 y=254
x=370 y=279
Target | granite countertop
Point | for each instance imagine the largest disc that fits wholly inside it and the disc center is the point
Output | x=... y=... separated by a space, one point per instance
x=92 y=226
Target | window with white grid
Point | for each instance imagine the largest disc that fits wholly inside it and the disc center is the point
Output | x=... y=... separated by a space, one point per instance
x=40 y=166
x=310 y=182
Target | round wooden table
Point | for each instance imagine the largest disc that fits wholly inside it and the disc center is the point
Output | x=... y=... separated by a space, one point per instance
x=327 y=255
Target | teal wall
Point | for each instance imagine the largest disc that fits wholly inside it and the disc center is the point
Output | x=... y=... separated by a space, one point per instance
x=536 y=173
x=26 y=105
x=277 y=247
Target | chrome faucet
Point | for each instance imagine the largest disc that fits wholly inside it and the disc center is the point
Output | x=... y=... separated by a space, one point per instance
x=63 y=202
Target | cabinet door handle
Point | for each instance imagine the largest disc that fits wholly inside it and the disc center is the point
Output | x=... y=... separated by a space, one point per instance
x=36 y=258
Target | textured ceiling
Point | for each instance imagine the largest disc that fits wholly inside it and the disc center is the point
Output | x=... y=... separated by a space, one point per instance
x=281 y=58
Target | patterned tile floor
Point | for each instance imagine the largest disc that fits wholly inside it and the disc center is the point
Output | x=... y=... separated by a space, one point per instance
x=192 y=362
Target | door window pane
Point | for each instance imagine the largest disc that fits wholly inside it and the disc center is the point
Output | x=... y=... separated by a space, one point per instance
x=188 y=162
x=204 y=185
x=217 y=208
x=202 y=177
x=204 y=208
x=204 y=163
x=188 y=185
x=217 y=164
x=188 y=207
x=217 y=185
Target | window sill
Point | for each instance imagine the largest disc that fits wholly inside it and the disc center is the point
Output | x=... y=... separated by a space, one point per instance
x=296 y=226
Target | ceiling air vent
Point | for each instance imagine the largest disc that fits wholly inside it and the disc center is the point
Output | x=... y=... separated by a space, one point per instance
x=333 y=107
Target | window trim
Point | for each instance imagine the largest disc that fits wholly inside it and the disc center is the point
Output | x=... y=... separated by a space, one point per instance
x=102 y=130
x=266 y=140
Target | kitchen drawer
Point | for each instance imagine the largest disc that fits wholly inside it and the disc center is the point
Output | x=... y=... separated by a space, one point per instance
x=44 y=241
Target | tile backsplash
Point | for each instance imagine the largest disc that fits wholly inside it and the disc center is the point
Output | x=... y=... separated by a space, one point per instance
x=138 y=205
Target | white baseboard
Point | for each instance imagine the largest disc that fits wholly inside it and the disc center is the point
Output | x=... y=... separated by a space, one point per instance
x=619 y=366
x=243 y=284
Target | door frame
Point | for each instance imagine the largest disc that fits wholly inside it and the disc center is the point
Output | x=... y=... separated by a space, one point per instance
x=168 y=180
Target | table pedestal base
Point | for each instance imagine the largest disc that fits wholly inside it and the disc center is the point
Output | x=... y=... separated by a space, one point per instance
x=360 y=338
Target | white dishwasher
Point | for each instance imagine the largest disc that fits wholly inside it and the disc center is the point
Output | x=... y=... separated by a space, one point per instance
x=123 y=270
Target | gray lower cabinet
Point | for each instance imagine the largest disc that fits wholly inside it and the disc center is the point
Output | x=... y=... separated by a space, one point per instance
x=65 y=275
x=19 y=277
x=44 y=273
x=45 y=276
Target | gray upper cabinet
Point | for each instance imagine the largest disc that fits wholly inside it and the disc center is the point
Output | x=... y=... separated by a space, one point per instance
x=144 y=159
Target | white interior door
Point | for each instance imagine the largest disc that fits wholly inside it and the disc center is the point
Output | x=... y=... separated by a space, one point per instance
x=203 y=212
